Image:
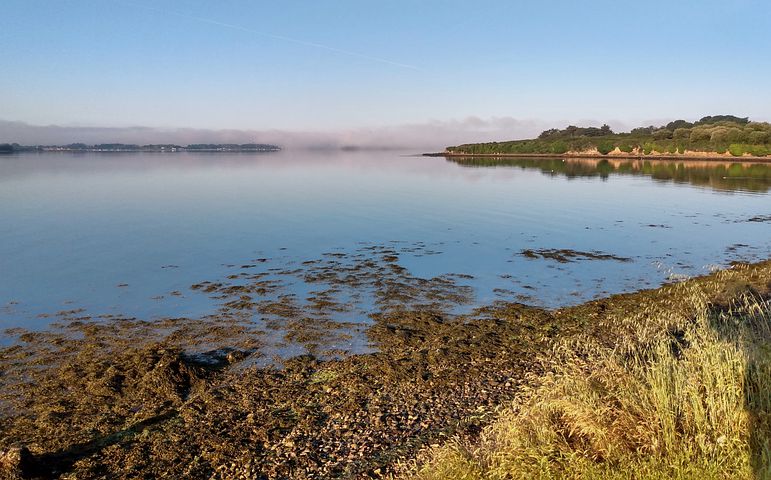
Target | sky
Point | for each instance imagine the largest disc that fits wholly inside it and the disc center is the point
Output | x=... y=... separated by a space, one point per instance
x=455 y=69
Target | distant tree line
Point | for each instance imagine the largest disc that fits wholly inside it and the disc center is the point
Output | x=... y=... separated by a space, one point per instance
x=719 y=133
x=572 y=132
x=127 y=147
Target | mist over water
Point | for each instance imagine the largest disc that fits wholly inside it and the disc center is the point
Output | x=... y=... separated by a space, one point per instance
x=129 y=234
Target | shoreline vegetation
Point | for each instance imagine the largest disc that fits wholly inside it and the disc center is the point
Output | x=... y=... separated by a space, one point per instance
x=712 y=137
x=123 y=147
x=671 y=382
x=680 y=398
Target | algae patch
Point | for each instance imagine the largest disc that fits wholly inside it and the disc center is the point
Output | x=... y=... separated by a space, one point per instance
x=566 y=255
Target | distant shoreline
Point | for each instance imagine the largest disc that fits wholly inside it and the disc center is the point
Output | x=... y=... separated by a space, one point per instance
x=8 y=148
x=716 y=157
x=719 y=137
x=16 y=152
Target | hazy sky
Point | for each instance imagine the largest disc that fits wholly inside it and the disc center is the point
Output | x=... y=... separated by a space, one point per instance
x=352 y=64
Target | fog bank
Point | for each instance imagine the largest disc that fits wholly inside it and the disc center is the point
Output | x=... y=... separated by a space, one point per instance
x=429 y=136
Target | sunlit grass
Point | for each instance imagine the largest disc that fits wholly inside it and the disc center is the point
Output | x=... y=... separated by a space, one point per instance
x=683 y=396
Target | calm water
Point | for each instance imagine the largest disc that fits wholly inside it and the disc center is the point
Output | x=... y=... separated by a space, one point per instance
x=130 y=233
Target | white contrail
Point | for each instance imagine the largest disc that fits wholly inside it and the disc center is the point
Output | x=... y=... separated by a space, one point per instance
x=270 y=35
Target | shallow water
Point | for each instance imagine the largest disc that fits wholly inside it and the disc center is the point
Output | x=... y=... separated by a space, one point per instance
x=129 y=234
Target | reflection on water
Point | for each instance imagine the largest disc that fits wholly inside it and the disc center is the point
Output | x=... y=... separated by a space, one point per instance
x=299 y=242
x=725 y=176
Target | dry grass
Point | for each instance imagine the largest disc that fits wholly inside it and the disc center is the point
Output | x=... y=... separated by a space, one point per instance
x=685 y=396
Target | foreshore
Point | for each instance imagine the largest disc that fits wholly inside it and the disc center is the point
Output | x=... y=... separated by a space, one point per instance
x=105 y=399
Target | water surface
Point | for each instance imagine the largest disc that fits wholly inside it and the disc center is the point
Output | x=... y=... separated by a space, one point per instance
x=129 y=234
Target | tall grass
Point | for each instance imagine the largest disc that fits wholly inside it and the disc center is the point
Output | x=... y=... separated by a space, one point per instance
x=686 y=397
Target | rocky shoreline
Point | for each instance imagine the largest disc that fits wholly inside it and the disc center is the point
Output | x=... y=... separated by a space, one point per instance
x=127 y=399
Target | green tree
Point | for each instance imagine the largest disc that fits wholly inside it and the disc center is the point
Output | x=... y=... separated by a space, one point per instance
x=605 y=147
x=678 y=124
x=559 y=147
x=700 y=134
x=758 y=136
x=681 y=134
x=758 y=150
x=723 y=118
x=736 y=149
x=662 y=134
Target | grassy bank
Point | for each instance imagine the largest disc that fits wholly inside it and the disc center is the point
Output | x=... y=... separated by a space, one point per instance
x=678 y=396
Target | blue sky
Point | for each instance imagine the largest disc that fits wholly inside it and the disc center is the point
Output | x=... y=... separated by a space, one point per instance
x=313 y=65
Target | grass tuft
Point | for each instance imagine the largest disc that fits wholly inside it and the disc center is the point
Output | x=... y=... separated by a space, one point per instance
x=683 y=395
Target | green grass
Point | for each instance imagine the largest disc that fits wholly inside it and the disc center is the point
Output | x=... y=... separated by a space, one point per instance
x=678 y=397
